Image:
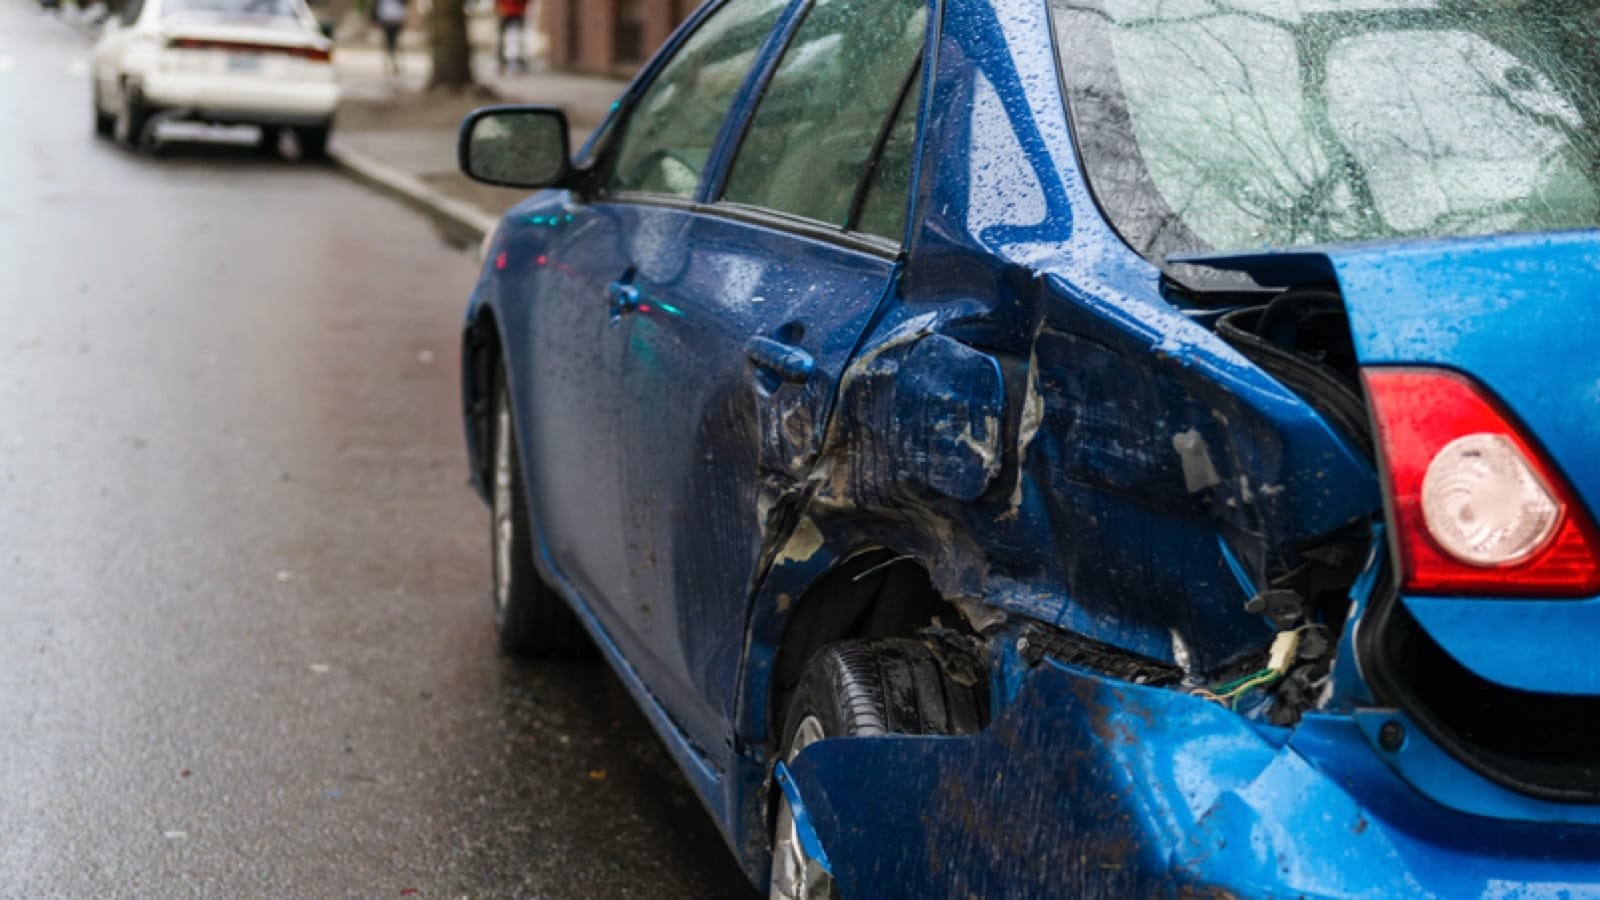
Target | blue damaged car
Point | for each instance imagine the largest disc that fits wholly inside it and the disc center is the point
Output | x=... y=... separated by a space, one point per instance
x=1074 y=447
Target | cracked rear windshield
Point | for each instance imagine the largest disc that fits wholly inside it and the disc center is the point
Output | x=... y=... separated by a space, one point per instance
x=1209 y=125
x=262 y=8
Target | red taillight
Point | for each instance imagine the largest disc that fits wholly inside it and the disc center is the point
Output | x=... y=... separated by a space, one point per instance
x=1477 y=509
x=314 y=54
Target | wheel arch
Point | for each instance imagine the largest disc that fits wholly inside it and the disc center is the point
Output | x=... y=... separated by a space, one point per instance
x=849 y=584
x=481 y=351
x=847 y=590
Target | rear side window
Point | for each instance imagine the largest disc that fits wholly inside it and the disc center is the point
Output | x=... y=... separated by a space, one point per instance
x=883 y=206
x=665 y=143
x=828 y=109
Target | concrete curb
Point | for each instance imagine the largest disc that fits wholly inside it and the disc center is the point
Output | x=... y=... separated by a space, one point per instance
x=461 y=223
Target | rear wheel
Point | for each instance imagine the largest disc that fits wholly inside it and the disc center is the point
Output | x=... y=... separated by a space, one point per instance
x=267 y=140
x=531 y=619
x=313 y=142
x=860 y=689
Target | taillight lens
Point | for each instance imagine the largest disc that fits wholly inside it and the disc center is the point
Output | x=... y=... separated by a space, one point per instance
x=314 y=54
x=1477 y=508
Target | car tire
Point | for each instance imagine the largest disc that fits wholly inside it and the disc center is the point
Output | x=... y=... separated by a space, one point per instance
x=530 y=618
x=267 y=141
x=104 y=123
x=313 y=142
x=133 y=121
x=862 y=688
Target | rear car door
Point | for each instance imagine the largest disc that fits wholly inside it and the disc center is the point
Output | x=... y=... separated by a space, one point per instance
x=744 y=312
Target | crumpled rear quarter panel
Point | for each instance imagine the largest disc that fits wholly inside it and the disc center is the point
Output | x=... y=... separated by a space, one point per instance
x=1087 y=787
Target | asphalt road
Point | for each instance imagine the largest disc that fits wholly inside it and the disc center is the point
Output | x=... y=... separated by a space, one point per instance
x=245 y=641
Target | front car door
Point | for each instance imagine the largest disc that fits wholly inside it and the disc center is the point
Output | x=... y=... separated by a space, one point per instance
x=744 y=312
x=578 y=330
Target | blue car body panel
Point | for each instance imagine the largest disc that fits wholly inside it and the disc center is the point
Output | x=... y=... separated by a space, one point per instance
x=1490 y=307
x=967 y=403
x=1149 y=792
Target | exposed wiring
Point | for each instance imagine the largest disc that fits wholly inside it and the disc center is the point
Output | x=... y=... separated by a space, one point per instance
x=1224 y=689
x=1264 y=678
x=1283 y=656
x=1228 y=694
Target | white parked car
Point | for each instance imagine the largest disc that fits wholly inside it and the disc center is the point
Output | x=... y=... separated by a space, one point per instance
x=228 y=62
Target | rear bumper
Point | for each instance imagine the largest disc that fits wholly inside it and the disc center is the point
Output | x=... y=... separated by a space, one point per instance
x=252 y=101
x=1090 y=787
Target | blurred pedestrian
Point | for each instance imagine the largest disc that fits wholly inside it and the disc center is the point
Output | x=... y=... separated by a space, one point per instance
x=513 y=50
x=391 y=17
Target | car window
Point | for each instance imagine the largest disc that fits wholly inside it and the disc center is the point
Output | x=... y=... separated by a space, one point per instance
x=883 y=205
x=228 y=8
x=1347 y=119
x=131 y=10
x=665 y=142
x=818 y=122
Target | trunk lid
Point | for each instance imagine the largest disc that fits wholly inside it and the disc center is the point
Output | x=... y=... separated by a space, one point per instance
x=1520 y=314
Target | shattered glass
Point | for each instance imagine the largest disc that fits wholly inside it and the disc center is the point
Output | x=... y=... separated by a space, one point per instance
x=1236 y=124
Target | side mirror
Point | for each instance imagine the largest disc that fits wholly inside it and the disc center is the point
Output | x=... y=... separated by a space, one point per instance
x=515 y=146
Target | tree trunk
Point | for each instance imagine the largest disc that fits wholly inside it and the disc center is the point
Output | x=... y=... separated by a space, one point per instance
x=452 y=56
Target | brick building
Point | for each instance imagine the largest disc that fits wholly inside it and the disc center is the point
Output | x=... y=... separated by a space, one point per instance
x=608 y=37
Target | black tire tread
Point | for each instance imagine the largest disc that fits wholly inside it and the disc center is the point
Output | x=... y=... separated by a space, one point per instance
x=888 y=686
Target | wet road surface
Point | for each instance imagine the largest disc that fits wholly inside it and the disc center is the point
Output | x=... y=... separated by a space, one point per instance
x=245 y=641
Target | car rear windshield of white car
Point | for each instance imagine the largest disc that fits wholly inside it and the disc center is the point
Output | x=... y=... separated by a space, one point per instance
x=226 y=9
x=1239 y=124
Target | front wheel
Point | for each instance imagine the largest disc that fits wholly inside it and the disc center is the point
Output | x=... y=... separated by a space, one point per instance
x=132 y=125
x=861 y=688
x=104 y=122
x=530 y=618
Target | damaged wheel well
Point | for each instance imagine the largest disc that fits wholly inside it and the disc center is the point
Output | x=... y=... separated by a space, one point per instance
x=874 y=594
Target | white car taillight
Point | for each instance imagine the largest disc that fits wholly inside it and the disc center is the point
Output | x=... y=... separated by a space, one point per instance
x=1484 y=504
x=1475 y=507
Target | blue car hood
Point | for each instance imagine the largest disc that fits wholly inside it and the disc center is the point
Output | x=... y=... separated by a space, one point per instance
x=1521 y=315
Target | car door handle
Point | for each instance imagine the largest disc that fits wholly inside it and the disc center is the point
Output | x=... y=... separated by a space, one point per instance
x=624 y=297
x=784 y=360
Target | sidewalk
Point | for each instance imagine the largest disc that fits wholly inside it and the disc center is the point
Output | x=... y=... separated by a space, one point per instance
x=397 y=137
